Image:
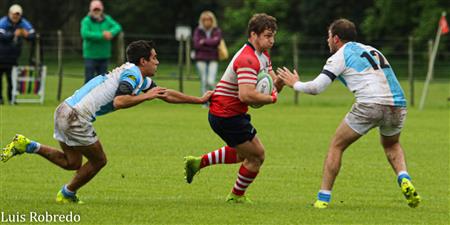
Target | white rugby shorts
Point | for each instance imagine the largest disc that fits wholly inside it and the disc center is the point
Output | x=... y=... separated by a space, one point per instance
x=71 y=128
x=365 y=116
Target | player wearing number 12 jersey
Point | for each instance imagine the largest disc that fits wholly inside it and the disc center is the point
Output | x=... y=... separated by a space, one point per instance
x=380 y=102
x=229 y=105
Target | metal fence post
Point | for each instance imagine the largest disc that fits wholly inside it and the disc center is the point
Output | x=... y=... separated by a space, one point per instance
x=430 y=52
x=188 y=57
x=120 y=49
x=180 y=64
x=295 y=61
x=60 y=66
x=410 y=69
x=37 y=52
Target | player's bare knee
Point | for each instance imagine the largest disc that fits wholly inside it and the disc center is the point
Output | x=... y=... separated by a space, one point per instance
x=337 y=144
x=101 y=163
x=390 y=141
x=75 y=165
x=261 y=157
x=390 y=144
x=336 y=149
x=258 y=158
x=255 y=162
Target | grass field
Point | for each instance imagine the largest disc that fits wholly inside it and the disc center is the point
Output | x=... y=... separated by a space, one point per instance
x=143 y=181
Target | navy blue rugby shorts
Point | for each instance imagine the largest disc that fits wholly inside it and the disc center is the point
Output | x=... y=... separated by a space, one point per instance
x=233 y=130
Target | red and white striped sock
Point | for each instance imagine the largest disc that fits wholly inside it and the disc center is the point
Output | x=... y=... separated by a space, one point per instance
x=245 y=178
x=224 y=155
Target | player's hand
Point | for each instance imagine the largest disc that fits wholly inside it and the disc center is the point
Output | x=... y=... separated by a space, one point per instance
x=274 y=95
x=18 y=32
x=107 y=35
x=156 y=92
x=287 y=76
x=205 y=98
x=278 y=82
x=25 y=33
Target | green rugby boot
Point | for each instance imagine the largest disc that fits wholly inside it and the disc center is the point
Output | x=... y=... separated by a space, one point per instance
x=232 y=198
x=61 y=199
x=410 y=193
x=191 y=167
x=17 y=147
x=320 y=204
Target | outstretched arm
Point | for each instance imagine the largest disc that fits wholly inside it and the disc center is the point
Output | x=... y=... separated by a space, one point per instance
x=314 y=87
x=129 y=100
x=172 y=96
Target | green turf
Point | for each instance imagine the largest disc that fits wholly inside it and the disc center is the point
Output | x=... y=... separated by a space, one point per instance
x=143 y=181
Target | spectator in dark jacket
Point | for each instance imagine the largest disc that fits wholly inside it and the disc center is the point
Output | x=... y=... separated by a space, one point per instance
x=206 y=38
x=13 y=29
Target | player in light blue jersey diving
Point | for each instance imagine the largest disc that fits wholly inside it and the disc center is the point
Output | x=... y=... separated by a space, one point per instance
x=125 y=86
x=380 y=102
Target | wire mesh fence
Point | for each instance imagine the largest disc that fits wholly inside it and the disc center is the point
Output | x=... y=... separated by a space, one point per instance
x=311 y=52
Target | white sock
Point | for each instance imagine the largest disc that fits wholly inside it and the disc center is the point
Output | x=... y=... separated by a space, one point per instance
x=402 y=172
x=328 y=192
x=38 y=146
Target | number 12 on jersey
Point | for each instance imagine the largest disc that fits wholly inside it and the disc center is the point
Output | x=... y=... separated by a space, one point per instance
x=372 y=62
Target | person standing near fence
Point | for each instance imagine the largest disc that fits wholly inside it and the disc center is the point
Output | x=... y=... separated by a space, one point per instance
x=206 y=39
x=97 y=30
x=13 y=29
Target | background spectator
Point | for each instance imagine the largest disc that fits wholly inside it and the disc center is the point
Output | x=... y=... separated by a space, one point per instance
x=13 y=29
x=97 y=31
x=206 y=39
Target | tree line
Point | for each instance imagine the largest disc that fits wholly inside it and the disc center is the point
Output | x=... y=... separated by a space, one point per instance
x=375 y=19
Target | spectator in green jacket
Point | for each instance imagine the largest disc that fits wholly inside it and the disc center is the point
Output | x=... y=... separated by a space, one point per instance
x=97 y=30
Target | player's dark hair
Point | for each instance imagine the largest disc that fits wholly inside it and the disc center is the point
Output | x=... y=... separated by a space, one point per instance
x=139 y=49
x=344 y=29
x=261 y=22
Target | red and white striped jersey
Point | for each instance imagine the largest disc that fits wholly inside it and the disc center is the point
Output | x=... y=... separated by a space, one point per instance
x=244 y=68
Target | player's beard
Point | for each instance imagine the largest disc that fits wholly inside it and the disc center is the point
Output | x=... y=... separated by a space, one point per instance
x=267 y=46
x=333 y=48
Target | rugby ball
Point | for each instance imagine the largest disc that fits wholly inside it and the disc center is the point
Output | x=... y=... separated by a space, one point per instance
x=264 y=85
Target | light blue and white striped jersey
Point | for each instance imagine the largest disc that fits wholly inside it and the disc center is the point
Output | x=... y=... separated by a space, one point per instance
x=366 y=73
x=96 y=97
